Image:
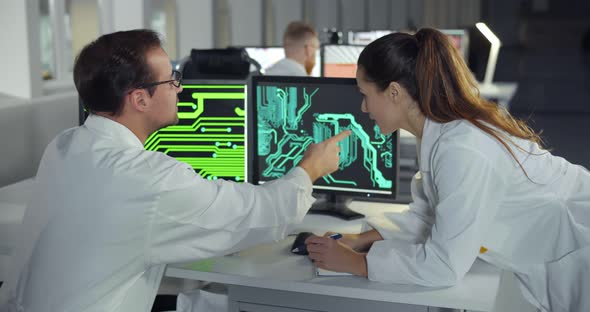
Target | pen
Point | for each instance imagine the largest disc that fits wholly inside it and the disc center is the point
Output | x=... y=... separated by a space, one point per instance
x=335 y=236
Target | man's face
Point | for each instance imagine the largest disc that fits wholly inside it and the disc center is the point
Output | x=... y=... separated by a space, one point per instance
x=164 y=101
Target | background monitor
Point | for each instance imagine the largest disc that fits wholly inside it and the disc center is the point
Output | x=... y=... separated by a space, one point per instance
x=290 y=113
x=267 y=56
x=219 y=64
x=340 y=60
x=210 y=135
x=459 y=38
x=366 y=37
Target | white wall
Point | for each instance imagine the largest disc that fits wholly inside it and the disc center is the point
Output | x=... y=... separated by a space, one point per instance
x=170 y=44
x=195 y=25
x=85 y=25
x=20 y=46
x=246 y=13
x=128 y=14
x=283 y=12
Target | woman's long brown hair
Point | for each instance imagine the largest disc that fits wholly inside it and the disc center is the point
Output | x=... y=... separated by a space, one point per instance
x=436 y=76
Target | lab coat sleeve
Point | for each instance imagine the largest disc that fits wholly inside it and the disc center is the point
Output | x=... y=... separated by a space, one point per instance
x=412 y=225
x=468 y=190
x=199 y=218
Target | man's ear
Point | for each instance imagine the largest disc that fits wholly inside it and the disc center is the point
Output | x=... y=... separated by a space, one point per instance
x=138 y=99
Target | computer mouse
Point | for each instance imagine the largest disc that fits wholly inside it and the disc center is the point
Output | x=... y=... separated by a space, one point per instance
x=299 y=247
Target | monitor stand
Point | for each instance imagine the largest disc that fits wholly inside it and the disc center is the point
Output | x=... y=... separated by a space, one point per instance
x=335 y=206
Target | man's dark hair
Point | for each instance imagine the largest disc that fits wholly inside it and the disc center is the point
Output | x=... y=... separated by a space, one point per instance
x=107 y=68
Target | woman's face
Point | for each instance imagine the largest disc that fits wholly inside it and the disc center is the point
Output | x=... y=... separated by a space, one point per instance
x=381 y=106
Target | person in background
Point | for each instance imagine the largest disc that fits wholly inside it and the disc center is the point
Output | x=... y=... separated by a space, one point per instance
x=301 y=44
x=106 y=216
x=485 y=189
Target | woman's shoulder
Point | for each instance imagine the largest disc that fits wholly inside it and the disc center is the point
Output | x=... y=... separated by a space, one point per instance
x=463 y=135
x=464 y=132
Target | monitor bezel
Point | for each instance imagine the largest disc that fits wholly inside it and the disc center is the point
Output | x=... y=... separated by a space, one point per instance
x=352 y=32
x=254 y=177
x=214 y=81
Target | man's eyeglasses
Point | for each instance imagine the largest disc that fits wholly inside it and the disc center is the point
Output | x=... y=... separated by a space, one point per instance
x=175 y=81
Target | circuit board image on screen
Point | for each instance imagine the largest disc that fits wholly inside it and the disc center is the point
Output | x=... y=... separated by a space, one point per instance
x=210 y=135
x=291 y=116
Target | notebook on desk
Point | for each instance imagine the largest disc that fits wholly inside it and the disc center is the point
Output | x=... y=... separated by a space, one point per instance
x=324 y=272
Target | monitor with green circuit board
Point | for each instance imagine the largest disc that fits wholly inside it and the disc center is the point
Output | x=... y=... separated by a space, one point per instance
x=290 y=113
x=210 y=134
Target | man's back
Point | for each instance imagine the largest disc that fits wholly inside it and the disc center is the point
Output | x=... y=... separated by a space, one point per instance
x=106 y=216
x=98 y=195
x=286 y=67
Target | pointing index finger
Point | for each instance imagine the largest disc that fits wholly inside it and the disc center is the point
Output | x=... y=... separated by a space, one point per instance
x=340 y=136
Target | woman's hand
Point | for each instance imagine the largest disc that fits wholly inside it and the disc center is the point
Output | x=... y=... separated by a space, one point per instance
x=351 y=240
x=359 y=242
x=333 y=255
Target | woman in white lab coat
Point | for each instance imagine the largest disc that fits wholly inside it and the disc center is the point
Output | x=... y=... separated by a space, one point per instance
x=486 y=188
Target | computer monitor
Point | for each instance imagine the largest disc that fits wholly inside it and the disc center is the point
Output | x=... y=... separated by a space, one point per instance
x=211 y=130
x=210 y=134
x=290 y=113
x=267 y=56
x=340 y=60
x=366 y=37
x=459 y=38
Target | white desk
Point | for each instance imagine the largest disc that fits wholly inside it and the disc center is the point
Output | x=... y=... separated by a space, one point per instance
x=269 y=278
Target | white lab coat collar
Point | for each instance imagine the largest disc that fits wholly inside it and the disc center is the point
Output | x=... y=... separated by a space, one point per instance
x=120 y=133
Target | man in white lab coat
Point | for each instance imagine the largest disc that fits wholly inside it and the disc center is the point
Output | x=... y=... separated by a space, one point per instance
x=107 y=216
x=301 y=44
